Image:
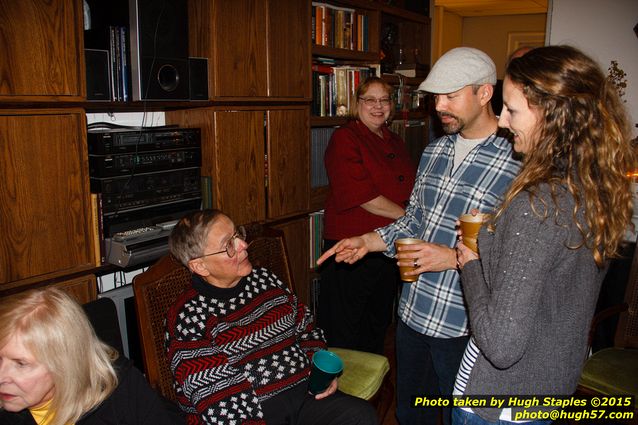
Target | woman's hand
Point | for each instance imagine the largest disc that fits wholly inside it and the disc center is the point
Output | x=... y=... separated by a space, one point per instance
x=464 y=254
x=332 y=388
x=346 y=250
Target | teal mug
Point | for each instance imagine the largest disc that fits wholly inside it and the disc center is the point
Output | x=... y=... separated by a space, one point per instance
x=326 y=366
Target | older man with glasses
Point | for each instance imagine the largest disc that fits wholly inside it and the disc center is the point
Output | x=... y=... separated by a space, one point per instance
x=239 y=343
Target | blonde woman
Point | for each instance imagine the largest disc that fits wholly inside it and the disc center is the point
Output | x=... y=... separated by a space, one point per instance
x=532 y=295
x=55 y=371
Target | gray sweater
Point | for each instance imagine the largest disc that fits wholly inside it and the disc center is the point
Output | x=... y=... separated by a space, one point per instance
x=530 y=301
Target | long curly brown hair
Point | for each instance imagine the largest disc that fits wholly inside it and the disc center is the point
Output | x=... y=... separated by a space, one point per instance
x=583 y=143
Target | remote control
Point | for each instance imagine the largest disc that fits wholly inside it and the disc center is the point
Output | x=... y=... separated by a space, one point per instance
x=133 y=234
x=167 y=225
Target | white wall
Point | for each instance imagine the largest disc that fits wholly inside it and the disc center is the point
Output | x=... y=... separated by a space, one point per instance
x=604 y=30
x=148 y=119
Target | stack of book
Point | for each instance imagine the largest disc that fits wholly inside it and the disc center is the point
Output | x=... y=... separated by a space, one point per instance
x=320 y=137
x=119 y=64
x=333 y=87
x=316 y=236
x=339 y=27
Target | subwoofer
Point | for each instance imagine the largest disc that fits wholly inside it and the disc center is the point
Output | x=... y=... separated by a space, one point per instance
x=159 y=49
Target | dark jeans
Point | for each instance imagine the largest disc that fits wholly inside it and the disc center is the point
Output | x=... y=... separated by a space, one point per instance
x=356 y=301
x=461 y=417
x=297 y=407
x=426 y=366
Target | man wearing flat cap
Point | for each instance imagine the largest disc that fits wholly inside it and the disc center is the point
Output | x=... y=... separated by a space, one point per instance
x=470 y=167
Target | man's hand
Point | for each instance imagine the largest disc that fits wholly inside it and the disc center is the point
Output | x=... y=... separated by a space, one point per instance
x=332 y=388
x=347 y=250
x=426 y=257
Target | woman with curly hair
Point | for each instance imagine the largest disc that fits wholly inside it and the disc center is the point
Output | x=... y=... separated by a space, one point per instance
x=532 y=293
x=55 y=371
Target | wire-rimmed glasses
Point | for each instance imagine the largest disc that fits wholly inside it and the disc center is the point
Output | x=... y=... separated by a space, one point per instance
x=371 y=101
x=231 y=246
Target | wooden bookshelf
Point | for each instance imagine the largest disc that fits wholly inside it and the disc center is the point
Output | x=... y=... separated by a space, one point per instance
x=412 y=34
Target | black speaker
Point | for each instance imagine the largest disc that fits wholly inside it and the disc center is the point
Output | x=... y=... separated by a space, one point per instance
x=98 y=75
x=198 y=78
x=159 y=49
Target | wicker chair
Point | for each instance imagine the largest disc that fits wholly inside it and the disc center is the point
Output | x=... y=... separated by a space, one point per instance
x=365 y=374
x=613 y=371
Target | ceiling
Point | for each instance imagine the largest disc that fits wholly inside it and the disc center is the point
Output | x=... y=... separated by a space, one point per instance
x=493 y=7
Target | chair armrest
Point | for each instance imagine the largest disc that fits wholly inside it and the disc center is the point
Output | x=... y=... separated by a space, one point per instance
x=603 y=315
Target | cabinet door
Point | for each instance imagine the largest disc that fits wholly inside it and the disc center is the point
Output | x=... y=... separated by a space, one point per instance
x=288 y=162
x=45 y=212
x=83 y=288
x=239 y=53
x=296 y=234
x=41 y=42
x=239 y=165
x=289 y=50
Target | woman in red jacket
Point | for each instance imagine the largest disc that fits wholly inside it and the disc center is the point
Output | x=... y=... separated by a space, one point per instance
x=371 y=177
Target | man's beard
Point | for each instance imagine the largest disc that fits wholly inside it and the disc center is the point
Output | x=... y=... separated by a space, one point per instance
x=452 y=127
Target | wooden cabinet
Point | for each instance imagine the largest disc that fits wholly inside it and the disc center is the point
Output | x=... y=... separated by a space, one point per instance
x=288 y=162
x=255 y=128
x=83 y=288
x=257 y=159
x=255 y=48
x=45 y=214
x=295 y=232
x=42 y=50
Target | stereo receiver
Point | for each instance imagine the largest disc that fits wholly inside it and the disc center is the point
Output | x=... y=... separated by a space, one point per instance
x=147 y=189
x=128 y=163
x=111 y=141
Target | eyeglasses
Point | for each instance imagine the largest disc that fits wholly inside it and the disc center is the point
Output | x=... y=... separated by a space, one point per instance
x=371 y=101
x=231 y=246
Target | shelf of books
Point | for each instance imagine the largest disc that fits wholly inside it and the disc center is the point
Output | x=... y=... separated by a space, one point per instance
x=334 y=86
x=352 y=40
x=339 y=27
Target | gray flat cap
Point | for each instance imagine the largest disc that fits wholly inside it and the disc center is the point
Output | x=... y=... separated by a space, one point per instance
x=457 y=68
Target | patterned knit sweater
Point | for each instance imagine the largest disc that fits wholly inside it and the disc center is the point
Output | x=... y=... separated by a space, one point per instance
x=231 y=348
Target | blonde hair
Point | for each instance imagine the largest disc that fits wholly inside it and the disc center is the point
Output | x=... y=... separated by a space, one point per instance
x=583 y=143
x=59 y=335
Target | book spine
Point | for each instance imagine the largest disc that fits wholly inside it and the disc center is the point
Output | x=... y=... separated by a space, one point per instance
x=112 y=63
x=125 y=64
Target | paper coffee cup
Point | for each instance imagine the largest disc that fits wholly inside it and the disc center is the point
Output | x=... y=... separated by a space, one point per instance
x=404 y=269
x=470 y=226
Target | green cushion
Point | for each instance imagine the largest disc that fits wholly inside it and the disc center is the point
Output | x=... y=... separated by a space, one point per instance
x=612 y=371
x=363 y=372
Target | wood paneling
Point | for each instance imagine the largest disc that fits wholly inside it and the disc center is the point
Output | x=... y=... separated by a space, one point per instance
x=289 y=49
x=238 y=179
x=42 y=49
x=45 y=214
x=239 y=48
x=296 y=232
x=83 y=288
x=256 y=49
x=288 y=162
x=493 y=7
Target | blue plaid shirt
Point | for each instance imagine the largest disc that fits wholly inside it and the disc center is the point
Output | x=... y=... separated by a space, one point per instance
x=434 y=304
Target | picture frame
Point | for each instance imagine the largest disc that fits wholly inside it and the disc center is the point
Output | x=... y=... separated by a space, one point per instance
x=524 y=38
